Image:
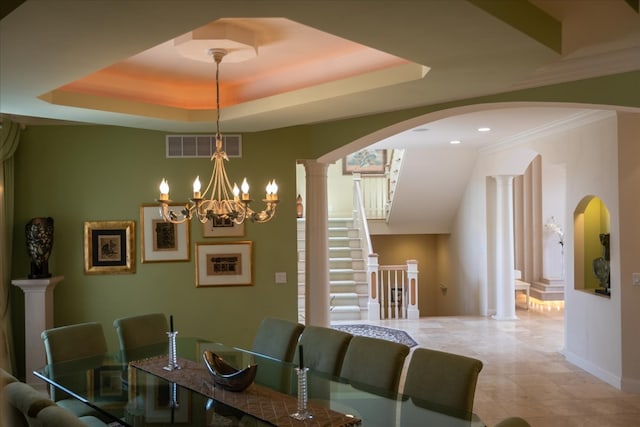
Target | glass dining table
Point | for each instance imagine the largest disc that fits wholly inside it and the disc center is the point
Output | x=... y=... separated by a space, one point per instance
x=147 y=392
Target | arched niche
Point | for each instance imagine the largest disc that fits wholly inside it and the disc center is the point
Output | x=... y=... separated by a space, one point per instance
x=591 y=225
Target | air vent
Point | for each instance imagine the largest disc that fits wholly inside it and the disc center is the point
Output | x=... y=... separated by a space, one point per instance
x=181 y=146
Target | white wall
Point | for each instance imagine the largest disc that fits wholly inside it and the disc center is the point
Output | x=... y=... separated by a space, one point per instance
x=339 y=190
x=589 y=153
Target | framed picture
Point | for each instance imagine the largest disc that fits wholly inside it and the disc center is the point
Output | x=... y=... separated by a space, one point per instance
x=158 y=402
x=109 y=247
x=163 y=241
x=224 y=264
x=365 y=161
x=222 y=228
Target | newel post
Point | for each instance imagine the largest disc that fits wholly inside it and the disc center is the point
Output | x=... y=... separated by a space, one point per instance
x=372 y=282
x=413 y=313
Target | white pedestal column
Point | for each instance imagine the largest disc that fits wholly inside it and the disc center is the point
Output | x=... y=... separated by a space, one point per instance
x=505 y=253
x=38 y=316
x=316 y=275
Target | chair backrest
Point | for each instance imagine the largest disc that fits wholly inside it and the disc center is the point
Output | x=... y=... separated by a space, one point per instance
x=84 y=341
x=374 y=362
x=442 y=378
x=323 y=348
x=277 y=338
x=142 y=336
x=73 y=342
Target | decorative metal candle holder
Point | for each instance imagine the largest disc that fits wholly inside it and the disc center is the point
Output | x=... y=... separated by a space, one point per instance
x=302 y=413
x=173 y=356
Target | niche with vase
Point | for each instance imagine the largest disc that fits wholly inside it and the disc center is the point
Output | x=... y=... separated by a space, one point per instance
x=591 y=247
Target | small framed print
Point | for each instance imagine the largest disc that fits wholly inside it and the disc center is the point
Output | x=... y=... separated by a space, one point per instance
x=163 y=241
x=219 y=227
x=109 y=247
x=224 y=264
x=365 y=161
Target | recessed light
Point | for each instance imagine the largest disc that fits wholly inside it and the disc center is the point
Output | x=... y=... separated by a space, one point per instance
x=484 y=129
x=455 y=141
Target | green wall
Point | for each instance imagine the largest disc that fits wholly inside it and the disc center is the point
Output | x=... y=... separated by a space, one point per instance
x=95 y=173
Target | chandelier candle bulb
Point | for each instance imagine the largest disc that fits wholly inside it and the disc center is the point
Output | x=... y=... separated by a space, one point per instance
x=196 y=188
x=245 y=189
x=164 y=190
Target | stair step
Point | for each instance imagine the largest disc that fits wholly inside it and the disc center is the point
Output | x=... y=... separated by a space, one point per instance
x=346 y=312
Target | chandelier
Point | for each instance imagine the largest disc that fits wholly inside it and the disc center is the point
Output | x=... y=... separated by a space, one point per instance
x=220 y=202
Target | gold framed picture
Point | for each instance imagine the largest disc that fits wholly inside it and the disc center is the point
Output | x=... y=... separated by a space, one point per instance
x=109 y=247
x=162 y=241
x=224 y=264
x=222 y=228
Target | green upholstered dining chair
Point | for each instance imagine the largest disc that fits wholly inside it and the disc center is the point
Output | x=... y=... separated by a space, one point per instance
x=513 y=422
x=142 y=336
x=83 y=341
x=323 y=349
x=374 y=362
x=277 y=338
x=441 y=378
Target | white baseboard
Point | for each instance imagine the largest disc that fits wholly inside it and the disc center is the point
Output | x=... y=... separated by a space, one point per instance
x=594 y=370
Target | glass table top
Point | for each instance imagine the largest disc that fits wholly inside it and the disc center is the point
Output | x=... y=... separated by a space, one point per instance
x=137 y=394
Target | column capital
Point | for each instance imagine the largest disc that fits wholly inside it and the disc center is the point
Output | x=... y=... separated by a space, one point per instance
x=35 y=285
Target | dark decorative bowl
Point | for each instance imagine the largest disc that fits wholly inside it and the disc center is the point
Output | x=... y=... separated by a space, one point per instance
x=226 y=376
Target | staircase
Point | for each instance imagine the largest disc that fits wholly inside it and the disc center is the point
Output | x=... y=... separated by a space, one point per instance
x=347 y=272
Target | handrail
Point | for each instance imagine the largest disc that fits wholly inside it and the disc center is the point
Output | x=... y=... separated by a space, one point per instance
x=359 y=212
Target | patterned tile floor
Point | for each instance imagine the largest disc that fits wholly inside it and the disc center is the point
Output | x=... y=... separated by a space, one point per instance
x=524 y=373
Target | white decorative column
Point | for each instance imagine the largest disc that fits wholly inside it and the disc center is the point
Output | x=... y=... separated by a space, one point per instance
x=38 y=316
x=316 y=274
x=413 y=313
x=504 y=257
x=372 y=280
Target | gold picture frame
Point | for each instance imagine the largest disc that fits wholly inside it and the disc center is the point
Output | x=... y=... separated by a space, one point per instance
x=222 y=228
x=109 y=247
x=224 y=264
x=162 y=241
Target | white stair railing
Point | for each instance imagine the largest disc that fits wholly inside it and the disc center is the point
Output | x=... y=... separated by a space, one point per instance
x=360 y=216
x=393 y=290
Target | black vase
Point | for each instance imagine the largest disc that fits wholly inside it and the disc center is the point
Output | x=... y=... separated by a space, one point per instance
x=39 y=236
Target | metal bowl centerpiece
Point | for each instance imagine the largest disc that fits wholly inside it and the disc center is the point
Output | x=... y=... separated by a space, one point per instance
x=226 y=376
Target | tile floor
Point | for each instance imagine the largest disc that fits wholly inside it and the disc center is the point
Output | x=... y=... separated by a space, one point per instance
x=524 y=373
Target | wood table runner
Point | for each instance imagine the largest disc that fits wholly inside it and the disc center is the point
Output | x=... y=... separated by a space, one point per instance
x=259 y=401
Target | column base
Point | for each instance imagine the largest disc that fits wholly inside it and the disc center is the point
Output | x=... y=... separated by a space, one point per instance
x=496 y=317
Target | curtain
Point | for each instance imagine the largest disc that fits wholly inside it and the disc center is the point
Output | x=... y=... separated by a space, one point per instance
x=9 y=138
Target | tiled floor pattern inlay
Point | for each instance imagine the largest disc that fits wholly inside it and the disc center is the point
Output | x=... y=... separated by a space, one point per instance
x=389 y=334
